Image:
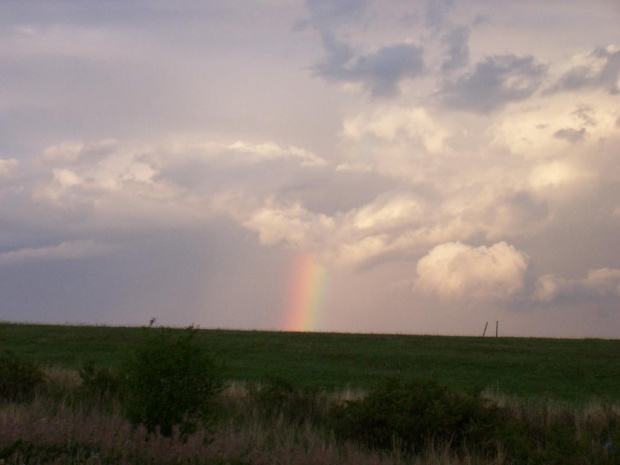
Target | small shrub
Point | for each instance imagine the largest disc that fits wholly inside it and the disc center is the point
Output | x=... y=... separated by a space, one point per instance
x=171 y=380
x=19 y=379
x=414 y=415
x=296 y=404
x=99 y=383
x=552 y=436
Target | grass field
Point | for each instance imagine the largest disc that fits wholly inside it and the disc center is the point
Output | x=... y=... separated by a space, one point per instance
x=561 y=369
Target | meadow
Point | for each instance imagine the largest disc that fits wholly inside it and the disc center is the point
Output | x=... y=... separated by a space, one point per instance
x=573 y=370
x=315 y=398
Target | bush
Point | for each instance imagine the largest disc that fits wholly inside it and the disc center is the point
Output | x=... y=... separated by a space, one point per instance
x=545 y=435
x=171 y=380
x=100 y=383
x=296 y=404
x=414 y=415
x=19 y=379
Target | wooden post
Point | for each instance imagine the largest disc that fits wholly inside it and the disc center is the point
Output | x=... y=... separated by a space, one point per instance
x=496 y=328
x=485 y=329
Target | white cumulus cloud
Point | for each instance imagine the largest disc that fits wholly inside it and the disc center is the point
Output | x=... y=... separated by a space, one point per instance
x=456 y=270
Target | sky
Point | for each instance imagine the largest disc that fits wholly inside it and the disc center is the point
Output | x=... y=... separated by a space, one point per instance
x=379 y=166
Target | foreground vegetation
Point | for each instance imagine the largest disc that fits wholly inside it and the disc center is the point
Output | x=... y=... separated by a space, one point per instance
x=65 y=428
x=565 y=370
x=165 y=402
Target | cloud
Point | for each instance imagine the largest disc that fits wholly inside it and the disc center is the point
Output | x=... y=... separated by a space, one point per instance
x=555 y=174
x=456 y=270
x=71 y=152
x=436 y=11
x=603 y=281
x=586 y=115
x=388 y=212
x=235 y=153
x=495 y=82
x=457 y=49
x=548 y=287
x=178 y=182
x=326 y=15
x=481 y=19
x=571 y=135
x=396 y=123
x=293 y=225
x=8 y=168
x=9 y=172
x=380 y=71
x=598 y=69
x=539 y=131
x=598 y=284
x=180 y=161
x=347 y=239
x=68 y=250
x=395 y=223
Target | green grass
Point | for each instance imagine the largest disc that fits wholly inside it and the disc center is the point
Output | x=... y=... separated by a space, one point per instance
x=563 y=369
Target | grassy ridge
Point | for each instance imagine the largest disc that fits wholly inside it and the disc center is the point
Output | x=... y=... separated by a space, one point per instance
x=573 y=370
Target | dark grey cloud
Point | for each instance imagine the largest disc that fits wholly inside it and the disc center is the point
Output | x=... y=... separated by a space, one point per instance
x=457 y=49
x=593 y=75
x=495 y=82
x=380 y=71
x=571 y=135
x=325 y=15
x=339 y=54
x=436 y=11
x=481 y=19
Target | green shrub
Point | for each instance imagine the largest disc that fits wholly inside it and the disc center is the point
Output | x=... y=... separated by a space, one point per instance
x=19 y=379
x=413 y=415
x=100 y=383
x=545 y=436
x=296 y=404
x=171 y=380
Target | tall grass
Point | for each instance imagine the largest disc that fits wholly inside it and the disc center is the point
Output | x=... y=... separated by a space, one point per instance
x=62 y=428
x=272 y=423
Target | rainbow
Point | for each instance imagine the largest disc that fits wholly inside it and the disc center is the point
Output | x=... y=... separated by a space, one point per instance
x=309 y=287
